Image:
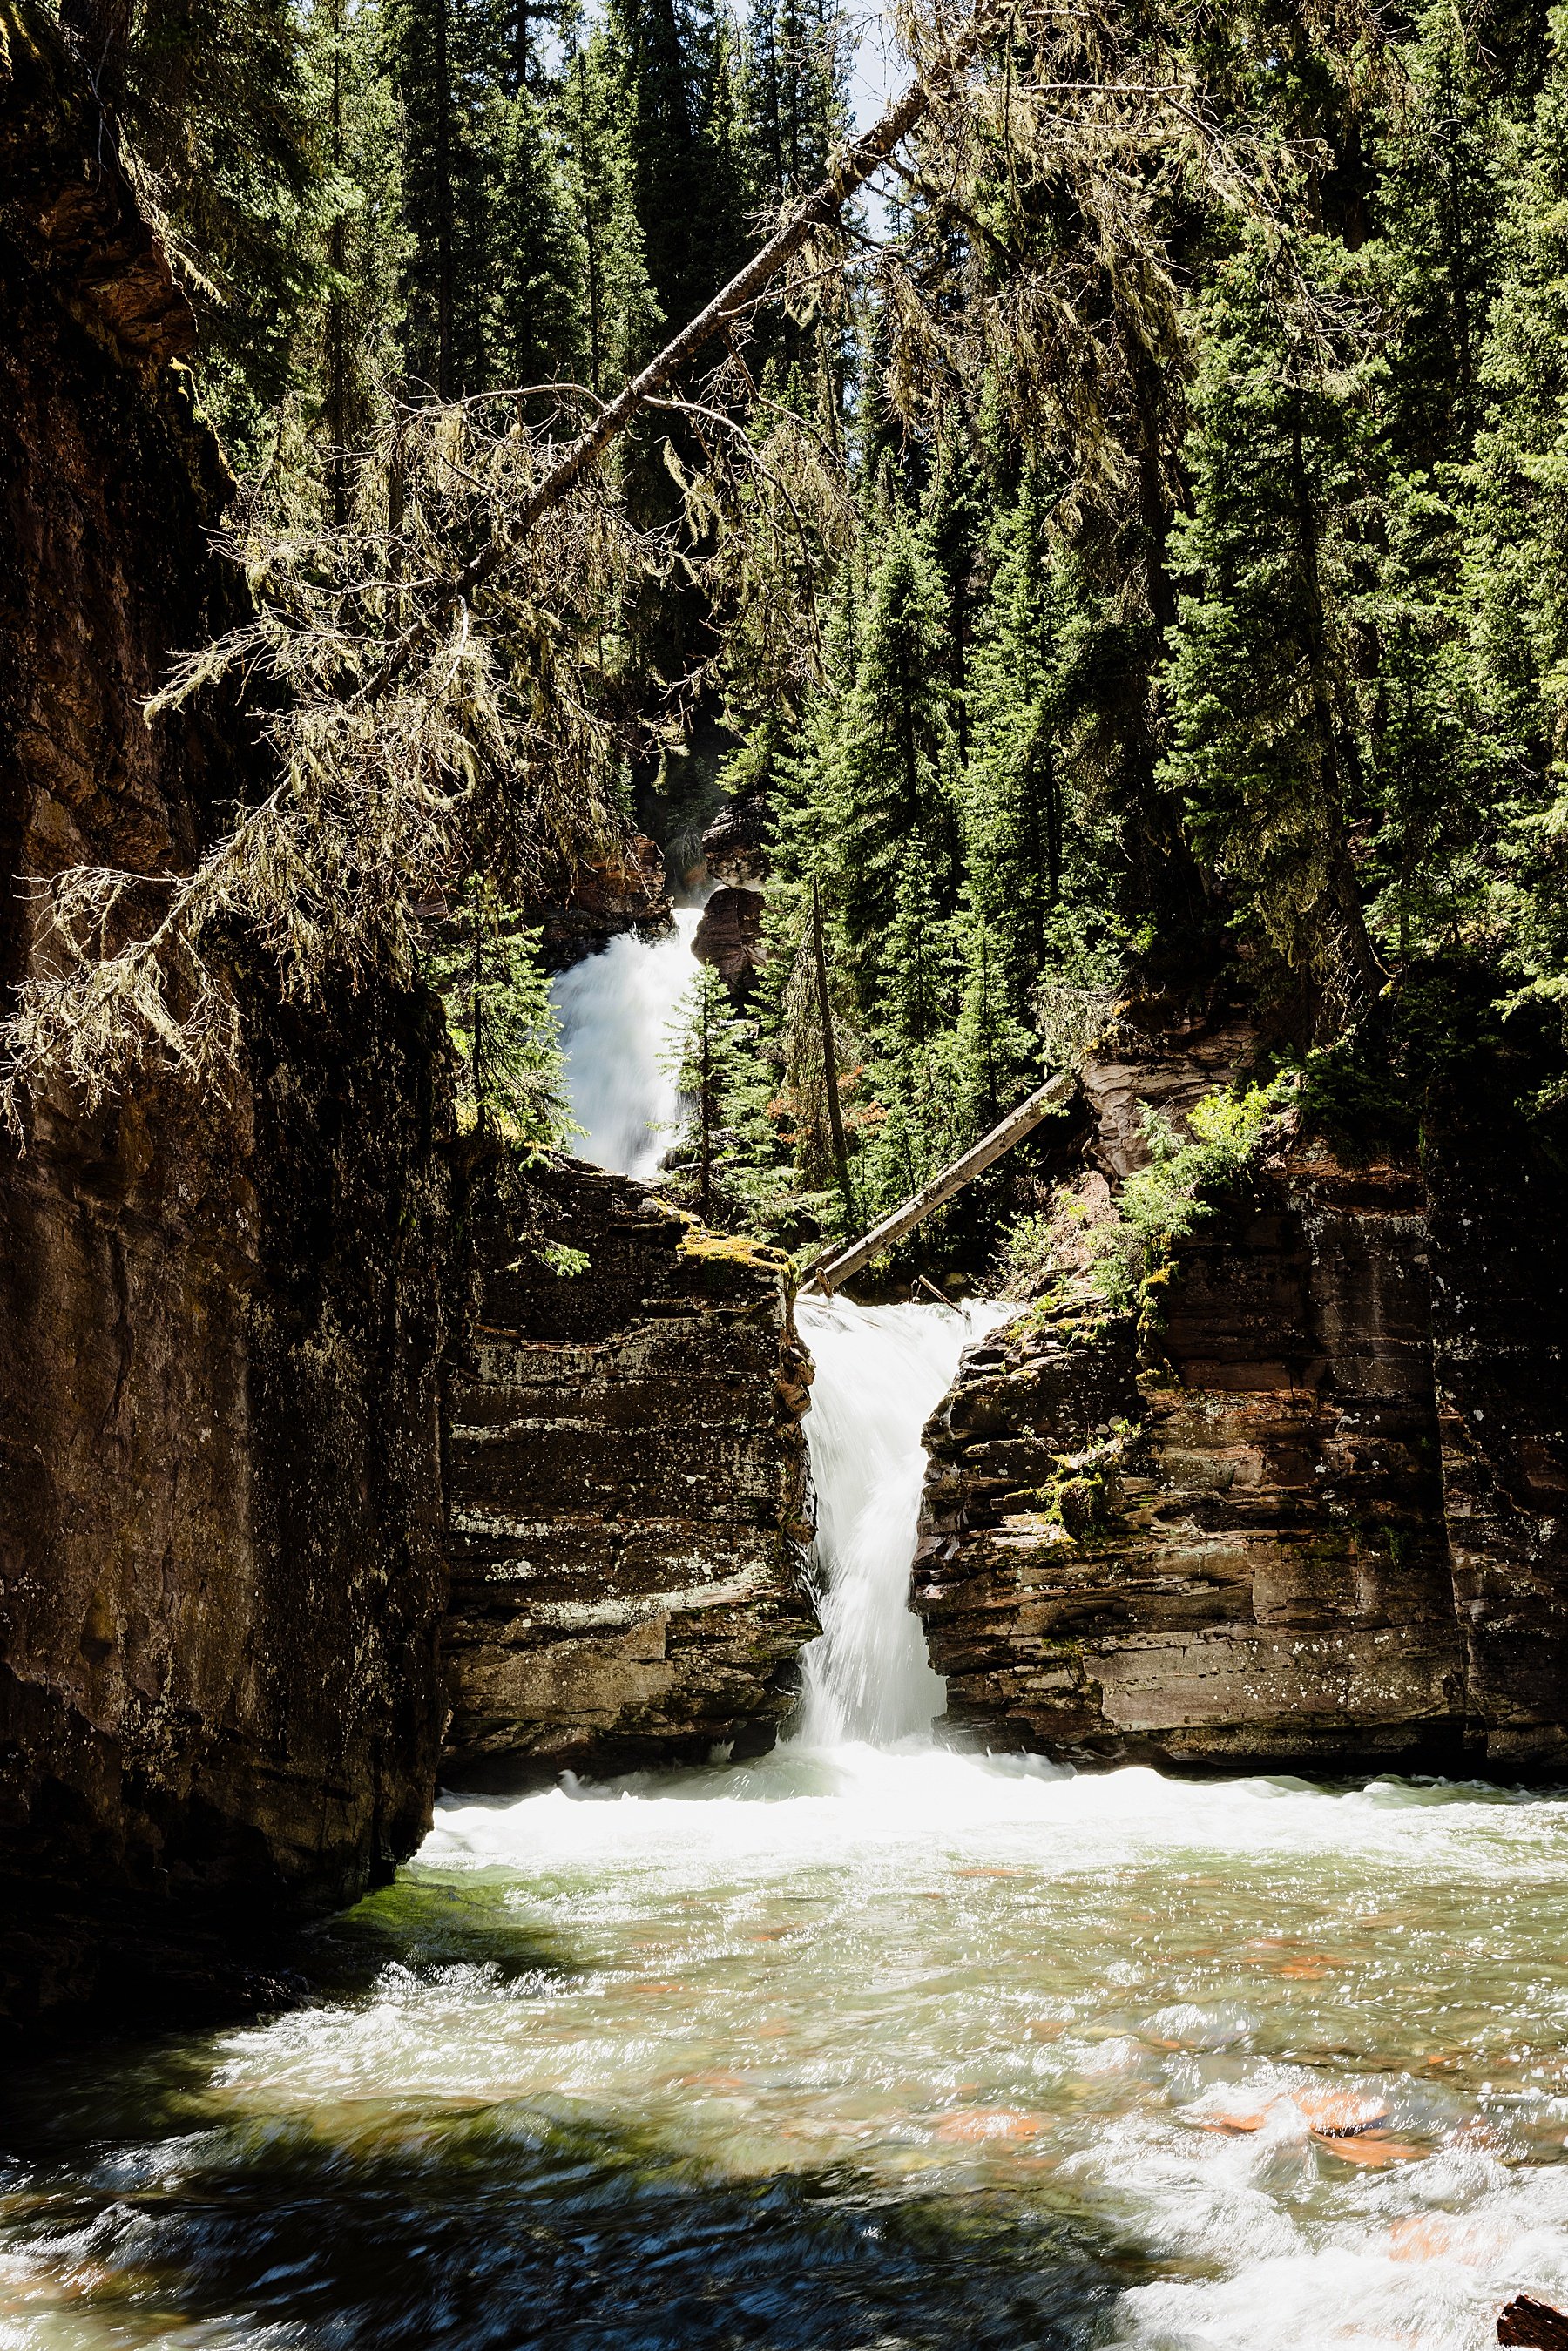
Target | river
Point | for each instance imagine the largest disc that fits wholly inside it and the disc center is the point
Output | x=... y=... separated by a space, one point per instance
x=868 y=2044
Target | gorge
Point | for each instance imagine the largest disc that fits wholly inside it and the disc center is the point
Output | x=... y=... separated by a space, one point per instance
x=560 y=1785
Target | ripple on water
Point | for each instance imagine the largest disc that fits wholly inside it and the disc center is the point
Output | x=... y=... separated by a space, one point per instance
x=843 y=2048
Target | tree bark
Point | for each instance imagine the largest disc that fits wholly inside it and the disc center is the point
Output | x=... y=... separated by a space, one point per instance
x=838 y=1265
x=830 y=1047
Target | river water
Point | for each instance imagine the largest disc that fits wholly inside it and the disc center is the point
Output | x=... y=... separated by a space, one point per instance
x=869 y=2044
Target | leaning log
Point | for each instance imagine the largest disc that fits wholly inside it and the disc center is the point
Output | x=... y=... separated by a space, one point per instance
x=836 y=1266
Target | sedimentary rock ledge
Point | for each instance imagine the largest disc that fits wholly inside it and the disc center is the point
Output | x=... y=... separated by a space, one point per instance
x=628 y=1485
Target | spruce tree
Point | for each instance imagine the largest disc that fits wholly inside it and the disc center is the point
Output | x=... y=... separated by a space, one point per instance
x=349 y=340
x=1265 y=716
x=620 y=318
x=218 y=109
x=539 y=332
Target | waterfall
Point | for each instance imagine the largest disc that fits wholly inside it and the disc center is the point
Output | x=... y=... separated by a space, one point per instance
x=881 y=1373
x=615 y=1010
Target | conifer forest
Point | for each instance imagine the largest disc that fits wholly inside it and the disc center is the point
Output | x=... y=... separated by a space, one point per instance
x=1125 y=540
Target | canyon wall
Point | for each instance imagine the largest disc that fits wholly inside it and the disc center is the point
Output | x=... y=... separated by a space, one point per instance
x=628 y=1488
x=220 y=1322
x=1306 y=1515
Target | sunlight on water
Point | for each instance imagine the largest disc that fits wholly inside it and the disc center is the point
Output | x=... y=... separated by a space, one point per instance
x=856 y=2050
x=615 y=1011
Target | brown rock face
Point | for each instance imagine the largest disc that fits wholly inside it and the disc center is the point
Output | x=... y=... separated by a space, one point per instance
x=628 y=1480
x=735 y=846
x=220 y=1324
x=623 y=889
x=1263 y=1537
x=730 y=936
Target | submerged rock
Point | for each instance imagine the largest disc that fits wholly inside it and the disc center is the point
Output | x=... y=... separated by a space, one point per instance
x=628 y=1488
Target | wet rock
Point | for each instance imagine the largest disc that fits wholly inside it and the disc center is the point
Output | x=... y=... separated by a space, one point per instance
x=730 y=936
x=1236 y=1540
x=628 y=1482
x=735 y=846
x=620 y=888
x=1534 y=2323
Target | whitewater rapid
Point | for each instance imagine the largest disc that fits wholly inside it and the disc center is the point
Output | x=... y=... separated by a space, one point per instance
x=882 y=1371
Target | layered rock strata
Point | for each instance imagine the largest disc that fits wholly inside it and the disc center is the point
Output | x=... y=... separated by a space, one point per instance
x=220 y=1320
x=729 y=938
x=622 y=888
x=1278 y=1529
x=628 y=1485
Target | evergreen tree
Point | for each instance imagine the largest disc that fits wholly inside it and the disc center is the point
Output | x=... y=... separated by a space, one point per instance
x=217 y=112
x=1265 y=720
x=540 y=309
x=886 y=784
x=511 y=1081
x=348 y=337
x=711 y=1068
x=621 y=320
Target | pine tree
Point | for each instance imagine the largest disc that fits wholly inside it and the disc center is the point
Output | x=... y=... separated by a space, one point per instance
x=1517 y=555
x=621 y=316
x=218 y=111
x=711 y=1067
x=887 y=782
x=501 y=1018
x=538 y=332
x=348 y=337
x=1014 y=789
x=1265 y=720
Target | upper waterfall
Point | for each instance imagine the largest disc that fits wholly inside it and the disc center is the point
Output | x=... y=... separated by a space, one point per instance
x=615 y=1011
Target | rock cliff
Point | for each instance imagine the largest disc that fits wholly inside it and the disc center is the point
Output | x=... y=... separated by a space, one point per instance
x=221 y=1325
x=628 y=1486
x=1279 y=1530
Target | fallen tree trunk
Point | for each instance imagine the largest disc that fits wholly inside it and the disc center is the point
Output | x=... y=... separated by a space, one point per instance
x=820 y=209
x=836 y=1266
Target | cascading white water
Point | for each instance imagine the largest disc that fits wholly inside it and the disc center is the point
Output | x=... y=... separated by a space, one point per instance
x=615 y=1011
x=881 y=1373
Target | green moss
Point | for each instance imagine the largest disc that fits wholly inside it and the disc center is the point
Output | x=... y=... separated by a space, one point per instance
x=730 y=1248
x=1079 y=1494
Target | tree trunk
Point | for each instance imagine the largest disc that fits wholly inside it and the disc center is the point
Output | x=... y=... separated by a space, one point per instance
x=337 y=325
x=830 y=1047
x=443 y=205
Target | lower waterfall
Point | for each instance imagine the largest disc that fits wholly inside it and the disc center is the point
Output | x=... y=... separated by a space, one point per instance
x=881 y=1373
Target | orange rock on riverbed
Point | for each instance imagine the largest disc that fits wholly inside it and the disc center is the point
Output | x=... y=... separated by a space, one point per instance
x=980 y=2122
